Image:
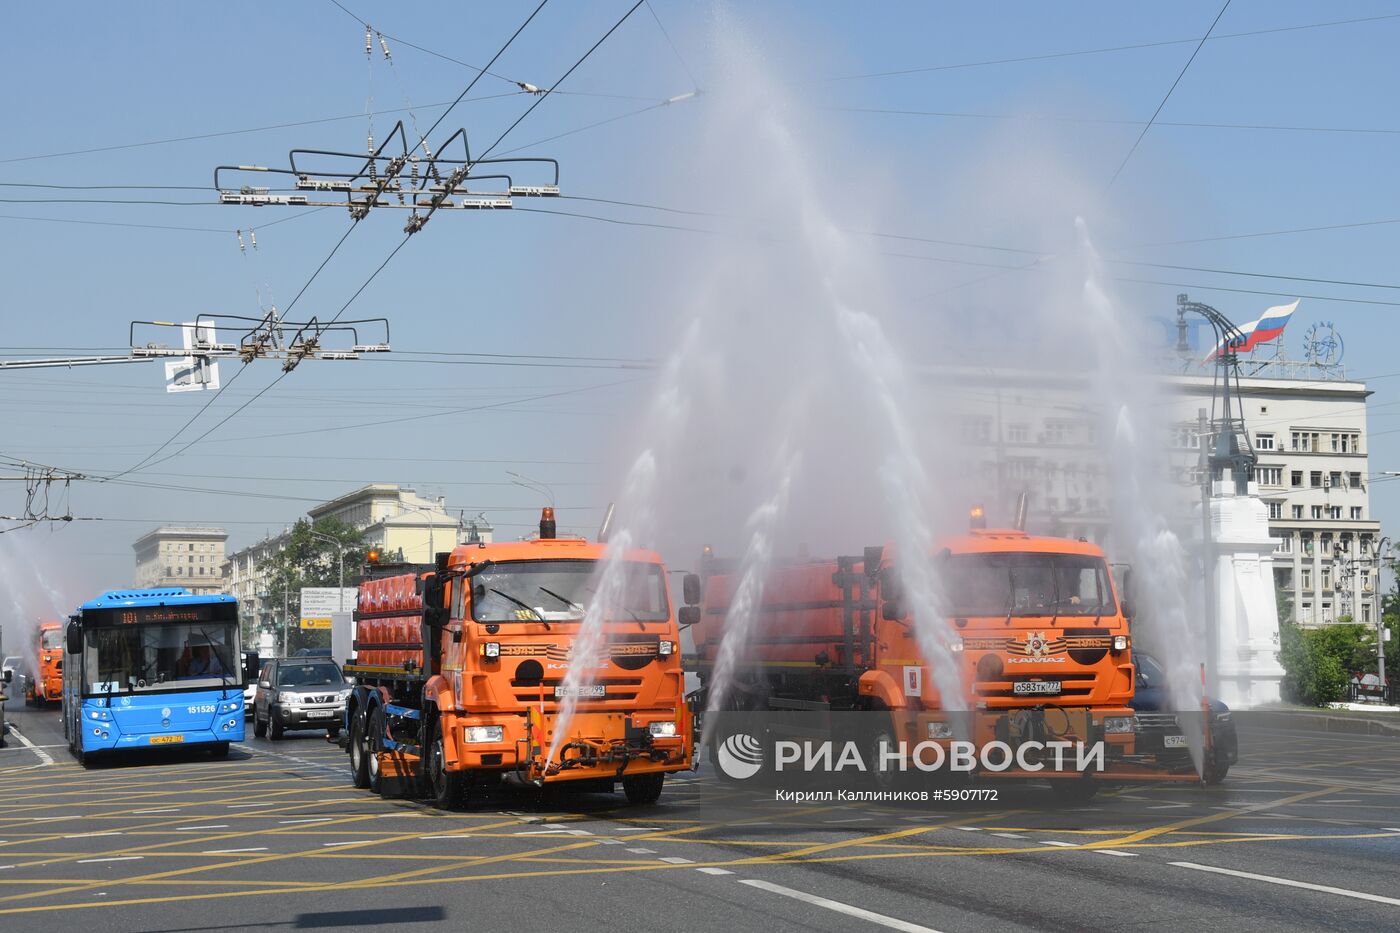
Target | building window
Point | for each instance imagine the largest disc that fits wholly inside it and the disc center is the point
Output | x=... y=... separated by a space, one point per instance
x=977 y=430
x=1354 y=480
x=1317 y=511
x=1356 y=513
x=1326 y=611
x=1184 y=436
x=1315 y=479
x=1365 y=581
x=1297 y=478
x=1326 y=578
x=1264 y=442
x=1308 y=544
x=1285 y=544
x=1366 y=612
x=1307 y=578
x=1334 y=512
x=1017 y=433
x=1297 y=511
x=1336 y=479
x=169 y=572
x=1346 y=443
x=191 y=545
x=1275 y=510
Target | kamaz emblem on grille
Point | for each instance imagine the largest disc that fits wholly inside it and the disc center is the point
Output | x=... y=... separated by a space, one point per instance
x=1037 y=645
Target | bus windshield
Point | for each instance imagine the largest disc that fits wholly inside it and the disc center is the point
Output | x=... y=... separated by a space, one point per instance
x=137 y=658
x=560 y=590
x=1027 y=584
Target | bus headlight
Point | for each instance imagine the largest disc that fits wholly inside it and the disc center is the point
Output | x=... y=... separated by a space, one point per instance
x=475 y=734
x=233 y=706
x=1119 y=724
x=665 y=648
x=663 y=730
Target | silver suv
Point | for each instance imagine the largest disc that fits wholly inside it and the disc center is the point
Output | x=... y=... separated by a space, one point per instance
x=299 y=693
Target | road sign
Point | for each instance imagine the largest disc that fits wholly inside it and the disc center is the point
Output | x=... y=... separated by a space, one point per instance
x=319 y=603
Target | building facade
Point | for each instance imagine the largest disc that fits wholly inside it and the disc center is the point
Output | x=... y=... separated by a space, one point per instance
x=188 y=556
x=394 y=519
x=1045 y=434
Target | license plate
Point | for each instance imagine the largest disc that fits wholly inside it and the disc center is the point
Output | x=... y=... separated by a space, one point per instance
x=586 y=692
x=1174 y=741
x=320 y=713
x=167 y=739
x=1036 y=687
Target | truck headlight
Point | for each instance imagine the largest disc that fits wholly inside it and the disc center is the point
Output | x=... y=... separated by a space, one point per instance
x=665 y=648
x=663 y=730
x=1120 y=642
x=1119 y=724
x=474 y=734
x=940 y=730
x=492 y=649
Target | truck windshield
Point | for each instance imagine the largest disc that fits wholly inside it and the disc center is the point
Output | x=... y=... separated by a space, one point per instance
x=1027 y=584
x=135 y=658
x=51 y=638
x=559 y=590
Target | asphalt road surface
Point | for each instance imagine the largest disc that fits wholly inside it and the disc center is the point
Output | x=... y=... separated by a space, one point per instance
x=1304 y=835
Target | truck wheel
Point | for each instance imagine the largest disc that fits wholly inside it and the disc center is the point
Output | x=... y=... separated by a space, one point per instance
x=374 y=744
x=1217 y=766
x=1075 y=790
x=259 y=726
x=447 y=786
x=644 y=788
x=359 y=756
x=878 y=739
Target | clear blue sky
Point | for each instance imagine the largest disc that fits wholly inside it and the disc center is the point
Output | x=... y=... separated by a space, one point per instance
x=100 y=75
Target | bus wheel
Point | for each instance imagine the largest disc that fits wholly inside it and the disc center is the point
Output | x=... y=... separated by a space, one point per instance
x=359 y=757
x=374 y=744
x=219 y=750
x=644 y=788
x=447 y=786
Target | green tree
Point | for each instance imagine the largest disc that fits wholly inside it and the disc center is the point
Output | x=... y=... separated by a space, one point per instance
x=1317 y=662
x=308 y=560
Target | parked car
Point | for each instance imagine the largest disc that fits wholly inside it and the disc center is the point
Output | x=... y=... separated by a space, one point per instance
x=299 y=693
x=1159 y=728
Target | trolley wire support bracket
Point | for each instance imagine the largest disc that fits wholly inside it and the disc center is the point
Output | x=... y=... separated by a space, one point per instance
x=393 y=175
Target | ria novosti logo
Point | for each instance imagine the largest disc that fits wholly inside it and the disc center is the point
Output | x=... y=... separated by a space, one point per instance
x=740 y=756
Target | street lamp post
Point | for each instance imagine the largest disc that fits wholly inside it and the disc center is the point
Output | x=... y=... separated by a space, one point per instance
x=340 y=554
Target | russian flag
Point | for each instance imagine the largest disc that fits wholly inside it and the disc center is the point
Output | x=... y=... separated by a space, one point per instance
x=1263 y=330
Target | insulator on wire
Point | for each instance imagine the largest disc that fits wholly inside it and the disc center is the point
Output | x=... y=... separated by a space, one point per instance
x=253 y=236
x=369 y=41
x=385 y=46
x=241 y=248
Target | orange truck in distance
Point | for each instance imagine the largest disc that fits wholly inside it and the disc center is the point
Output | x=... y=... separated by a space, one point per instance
x=45 y=683
x=1037 y=632
x=460 y=674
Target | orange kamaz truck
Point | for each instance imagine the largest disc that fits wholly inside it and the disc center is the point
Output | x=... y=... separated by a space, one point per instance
x=1036 y=631
x=45 y=684
x=461 y=671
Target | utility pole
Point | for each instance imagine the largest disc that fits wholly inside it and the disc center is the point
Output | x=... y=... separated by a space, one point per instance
x=1208 y=553
x=340 y=554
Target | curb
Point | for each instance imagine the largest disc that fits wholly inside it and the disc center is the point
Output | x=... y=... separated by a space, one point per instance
x=1321 y=722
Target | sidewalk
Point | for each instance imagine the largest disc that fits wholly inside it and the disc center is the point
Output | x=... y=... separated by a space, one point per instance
x=1373 y=721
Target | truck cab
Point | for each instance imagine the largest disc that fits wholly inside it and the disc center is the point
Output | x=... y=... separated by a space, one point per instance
x=45 y=684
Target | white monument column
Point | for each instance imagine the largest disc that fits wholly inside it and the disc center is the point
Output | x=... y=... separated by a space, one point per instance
x=1248 y=670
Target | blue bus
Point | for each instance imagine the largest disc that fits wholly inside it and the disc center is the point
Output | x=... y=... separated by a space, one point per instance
x=152 y=669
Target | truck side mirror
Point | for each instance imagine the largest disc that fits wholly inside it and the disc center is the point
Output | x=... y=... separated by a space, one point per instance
x=690 y=589
x=9 y=675
x=74 y=638
x=1126 y=598
x=687 y=616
